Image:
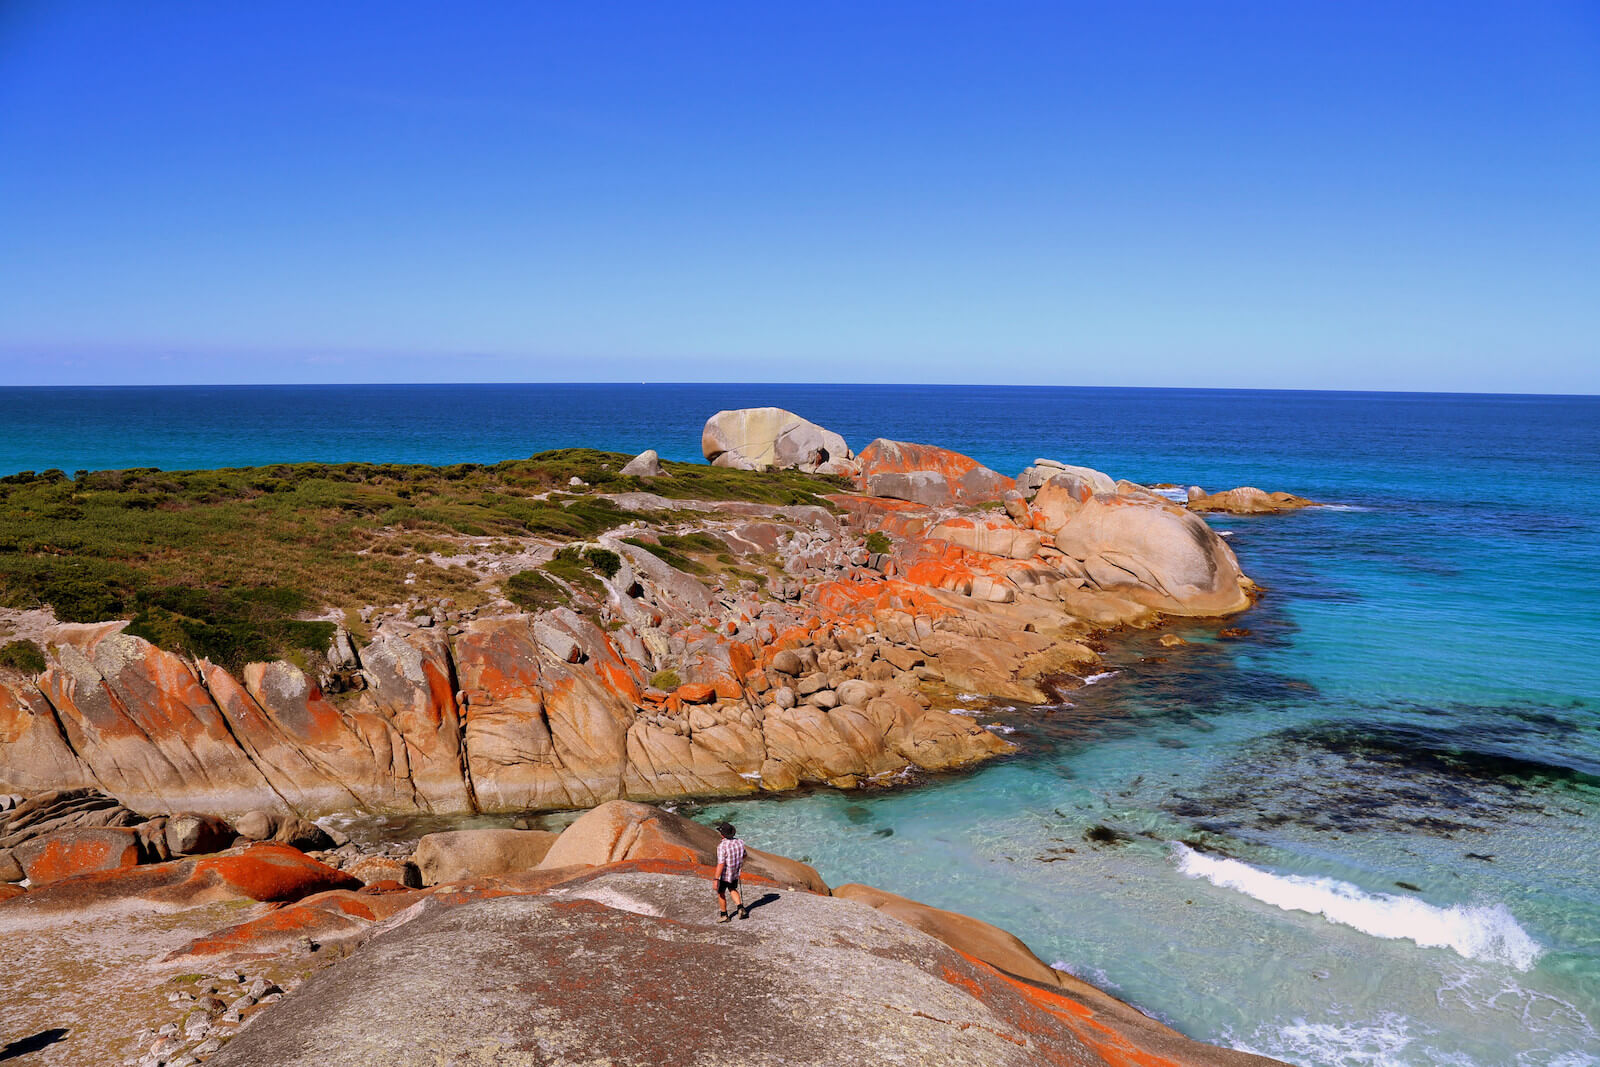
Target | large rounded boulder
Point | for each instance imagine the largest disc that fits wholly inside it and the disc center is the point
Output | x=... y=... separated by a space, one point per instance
x=1155 y=554
x=758 y=439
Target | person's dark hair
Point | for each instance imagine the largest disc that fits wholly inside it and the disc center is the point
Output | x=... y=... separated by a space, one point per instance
x=725 y=829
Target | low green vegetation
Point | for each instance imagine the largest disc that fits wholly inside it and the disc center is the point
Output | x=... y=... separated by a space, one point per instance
x=578 y=569
x=692 y=481
x=226 y=563
x=535 y=591
x=667 y=680
x=673 y=550
x=878 y=543
x=25 y=656
x=230 y=627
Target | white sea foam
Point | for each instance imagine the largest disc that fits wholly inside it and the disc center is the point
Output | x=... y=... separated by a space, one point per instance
x=1481 y=932
x=1102 y=676
x=1338 y=507
x=1224 y=533
x=999 y=728
x=1380 y=1042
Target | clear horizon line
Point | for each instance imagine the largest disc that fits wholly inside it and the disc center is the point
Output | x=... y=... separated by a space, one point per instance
x=811 y=385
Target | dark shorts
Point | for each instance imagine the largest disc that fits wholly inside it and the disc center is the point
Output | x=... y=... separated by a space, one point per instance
x=723 y=884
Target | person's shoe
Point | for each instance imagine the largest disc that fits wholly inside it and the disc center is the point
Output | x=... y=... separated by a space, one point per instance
x=744 y=911
x=722 y=917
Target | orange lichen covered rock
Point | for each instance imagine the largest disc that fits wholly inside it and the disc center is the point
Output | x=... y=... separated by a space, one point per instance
x=973 y=937
x=329 y=916
x=896 y=518
x=36 y=754
x=78 y=851
x=989 y=535
x=927 y=474
x=263 y=872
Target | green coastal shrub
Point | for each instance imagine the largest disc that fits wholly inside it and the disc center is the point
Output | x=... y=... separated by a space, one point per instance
x=603 y=560
x=534 y=591
x=230 y=627
x=25 y=656
x=672 y=549
x=179 y=551
x=878 y=543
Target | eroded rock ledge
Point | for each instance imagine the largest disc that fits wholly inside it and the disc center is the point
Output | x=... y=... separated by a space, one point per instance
x=597 y=945
x=676 y=673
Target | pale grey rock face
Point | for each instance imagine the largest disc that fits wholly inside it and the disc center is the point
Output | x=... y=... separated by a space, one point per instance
x=455 y=855
x=1154 y=553
x=632 y=969
x=772 y=438
x=1043 y=470
x=646 y=464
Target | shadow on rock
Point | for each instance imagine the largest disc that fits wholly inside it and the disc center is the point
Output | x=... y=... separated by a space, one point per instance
x=25 y=1045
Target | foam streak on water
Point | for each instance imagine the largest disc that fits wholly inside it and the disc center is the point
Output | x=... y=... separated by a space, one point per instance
x=1481 y=932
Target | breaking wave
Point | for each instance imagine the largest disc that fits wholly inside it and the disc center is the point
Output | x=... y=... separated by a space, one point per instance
x=1479 y=932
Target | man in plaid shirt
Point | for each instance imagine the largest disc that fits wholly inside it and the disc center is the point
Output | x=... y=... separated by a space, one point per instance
x=730 y=861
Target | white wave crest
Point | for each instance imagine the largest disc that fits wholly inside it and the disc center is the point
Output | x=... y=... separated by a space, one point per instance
x=1480 y=932
x=1380 y=1042
x=1102 y=676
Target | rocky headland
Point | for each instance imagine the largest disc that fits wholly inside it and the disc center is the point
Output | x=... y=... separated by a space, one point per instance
x=678 y=646
x=194 y=667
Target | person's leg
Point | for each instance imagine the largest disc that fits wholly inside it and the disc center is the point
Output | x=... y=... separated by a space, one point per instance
x=738 y=903
x=722 y=903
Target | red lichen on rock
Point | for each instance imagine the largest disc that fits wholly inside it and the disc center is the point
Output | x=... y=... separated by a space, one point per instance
x=269 y=872
x=67 y=853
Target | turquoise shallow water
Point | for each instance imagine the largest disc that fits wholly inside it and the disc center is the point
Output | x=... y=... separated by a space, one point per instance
x=1364 y=833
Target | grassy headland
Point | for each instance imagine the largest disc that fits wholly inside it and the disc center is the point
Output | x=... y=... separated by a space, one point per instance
x=229 y=563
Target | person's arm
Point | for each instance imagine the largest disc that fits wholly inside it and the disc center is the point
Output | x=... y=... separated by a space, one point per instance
x=721 y=866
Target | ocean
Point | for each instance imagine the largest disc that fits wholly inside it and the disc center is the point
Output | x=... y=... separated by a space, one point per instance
x=1365 y=831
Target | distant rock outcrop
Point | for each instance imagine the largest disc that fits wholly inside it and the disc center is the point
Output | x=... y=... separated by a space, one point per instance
x=758 y=439
x=1246 y=500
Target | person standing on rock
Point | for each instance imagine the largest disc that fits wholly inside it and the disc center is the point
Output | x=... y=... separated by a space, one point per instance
x=730 y=861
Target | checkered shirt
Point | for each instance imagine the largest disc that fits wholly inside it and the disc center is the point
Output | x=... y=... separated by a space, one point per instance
x=730 y=853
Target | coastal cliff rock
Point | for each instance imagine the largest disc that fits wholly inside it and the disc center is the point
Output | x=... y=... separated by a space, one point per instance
x=726 y=647
x=758 y=439
x=539 y=733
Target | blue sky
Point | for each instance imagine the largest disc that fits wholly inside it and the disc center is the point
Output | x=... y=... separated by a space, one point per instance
x=1300 y=195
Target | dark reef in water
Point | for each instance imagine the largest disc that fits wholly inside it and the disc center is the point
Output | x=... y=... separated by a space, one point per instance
x=1364 y=776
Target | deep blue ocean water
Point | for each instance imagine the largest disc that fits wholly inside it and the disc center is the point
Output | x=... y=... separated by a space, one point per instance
x=1391 y=784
